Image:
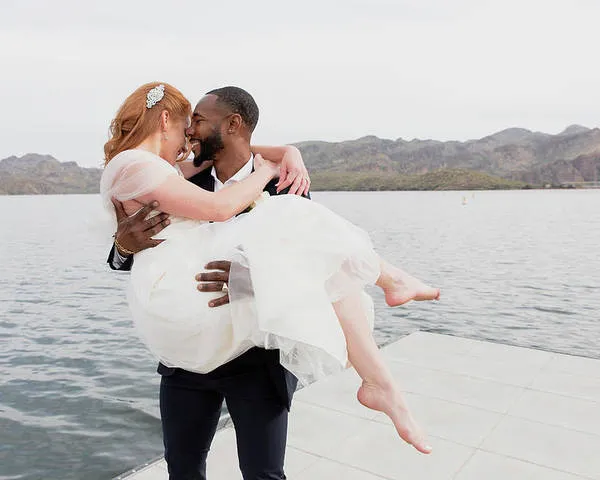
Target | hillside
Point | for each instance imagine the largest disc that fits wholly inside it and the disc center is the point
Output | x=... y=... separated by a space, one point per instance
x=42 y=174
x=512 y=158
x=514 y=153
x=442 y=179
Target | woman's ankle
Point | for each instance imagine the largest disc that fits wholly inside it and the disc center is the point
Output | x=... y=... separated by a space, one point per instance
x=385 y=280
x=383 y=383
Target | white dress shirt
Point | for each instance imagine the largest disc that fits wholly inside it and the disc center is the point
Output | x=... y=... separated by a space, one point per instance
x=240 y=175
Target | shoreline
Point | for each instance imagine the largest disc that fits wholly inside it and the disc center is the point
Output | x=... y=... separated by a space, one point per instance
x=469 y=189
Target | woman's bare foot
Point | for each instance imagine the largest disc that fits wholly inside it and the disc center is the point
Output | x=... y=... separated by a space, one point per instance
x=402 y=288
x=391 y=402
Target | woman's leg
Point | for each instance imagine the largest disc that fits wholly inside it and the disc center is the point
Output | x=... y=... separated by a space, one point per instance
x=400 y=287
x=378 y=390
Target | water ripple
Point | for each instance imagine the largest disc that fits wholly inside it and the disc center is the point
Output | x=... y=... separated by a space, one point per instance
x=80 y=392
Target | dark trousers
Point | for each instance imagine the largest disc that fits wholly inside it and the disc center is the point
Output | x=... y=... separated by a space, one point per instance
x=190 y=406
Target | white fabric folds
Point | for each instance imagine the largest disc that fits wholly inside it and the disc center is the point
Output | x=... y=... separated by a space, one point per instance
x=291 y=259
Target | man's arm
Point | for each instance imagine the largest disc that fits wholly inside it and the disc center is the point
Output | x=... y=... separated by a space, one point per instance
x=134 y=234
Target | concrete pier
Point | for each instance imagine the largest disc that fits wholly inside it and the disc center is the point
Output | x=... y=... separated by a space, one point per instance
x=491 y=412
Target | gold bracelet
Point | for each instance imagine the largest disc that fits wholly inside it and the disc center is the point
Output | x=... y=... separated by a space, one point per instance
x=121 y=248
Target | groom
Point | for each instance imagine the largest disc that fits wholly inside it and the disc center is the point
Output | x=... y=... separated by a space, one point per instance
x=256 y=388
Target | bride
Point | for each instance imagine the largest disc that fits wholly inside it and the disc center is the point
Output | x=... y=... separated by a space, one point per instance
x=317 y=314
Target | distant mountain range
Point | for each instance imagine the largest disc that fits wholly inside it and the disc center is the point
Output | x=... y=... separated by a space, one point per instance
x=517 y=155
x=512 y=158
x=42 y=174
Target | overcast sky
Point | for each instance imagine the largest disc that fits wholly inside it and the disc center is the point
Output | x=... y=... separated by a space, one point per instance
x=319 y=69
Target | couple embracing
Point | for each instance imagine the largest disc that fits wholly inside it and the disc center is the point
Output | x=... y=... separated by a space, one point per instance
x=286 y=302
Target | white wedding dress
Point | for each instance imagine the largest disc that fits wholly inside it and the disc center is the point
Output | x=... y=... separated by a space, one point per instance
x=291 y=259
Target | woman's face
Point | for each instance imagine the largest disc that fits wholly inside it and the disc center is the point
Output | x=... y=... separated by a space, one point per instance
x=174 y=139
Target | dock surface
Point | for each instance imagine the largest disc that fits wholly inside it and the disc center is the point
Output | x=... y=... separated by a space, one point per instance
x=491 y=411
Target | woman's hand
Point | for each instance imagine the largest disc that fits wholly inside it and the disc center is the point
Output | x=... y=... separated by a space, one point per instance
x=293 y=172
x=260 y=163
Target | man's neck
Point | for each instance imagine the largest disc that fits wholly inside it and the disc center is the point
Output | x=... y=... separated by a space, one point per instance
x=230 y=161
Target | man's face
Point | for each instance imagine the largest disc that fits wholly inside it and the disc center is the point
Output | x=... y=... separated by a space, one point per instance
x=205 y=130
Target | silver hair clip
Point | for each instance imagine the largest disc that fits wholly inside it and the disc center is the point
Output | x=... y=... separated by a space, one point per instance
x=155 y=95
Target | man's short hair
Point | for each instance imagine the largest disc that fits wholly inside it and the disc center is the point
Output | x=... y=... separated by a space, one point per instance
x=238 y=101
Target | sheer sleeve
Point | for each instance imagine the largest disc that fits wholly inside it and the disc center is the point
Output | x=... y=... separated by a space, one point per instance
x=131 y=174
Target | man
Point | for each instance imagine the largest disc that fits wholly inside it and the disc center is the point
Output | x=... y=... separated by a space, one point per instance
x=256 y=388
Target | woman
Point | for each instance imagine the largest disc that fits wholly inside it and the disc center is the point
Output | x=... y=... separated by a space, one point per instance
x=318 y=316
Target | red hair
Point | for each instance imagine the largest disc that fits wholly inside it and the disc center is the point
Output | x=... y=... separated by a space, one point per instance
x=134 y=122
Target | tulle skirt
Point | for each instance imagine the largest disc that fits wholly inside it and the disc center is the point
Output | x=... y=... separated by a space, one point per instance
x=292 y=258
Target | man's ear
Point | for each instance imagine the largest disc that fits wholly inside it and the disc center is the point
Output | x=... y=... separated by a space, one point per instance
x=235 y=123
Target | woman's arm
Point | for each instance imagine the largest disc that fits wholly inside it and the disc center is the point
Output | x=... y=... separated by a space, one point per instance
x=292 y=171
x=189 y=170
x=179 y=197
x=275 y=154
x=292 y=168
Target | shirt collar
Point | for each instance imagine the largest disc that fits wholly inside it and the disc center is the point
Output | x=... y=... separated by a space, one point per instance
x=240 y=175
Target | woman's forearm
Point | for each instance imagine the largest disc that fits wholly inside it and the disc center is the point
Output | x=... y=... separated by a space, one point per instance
x=275 y=154
x=189 y=170
x=183 y=199
x=235 y=198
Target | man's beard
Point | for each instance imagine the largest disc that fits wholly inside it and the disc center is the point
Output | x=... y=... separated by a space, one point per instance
x=209 y=147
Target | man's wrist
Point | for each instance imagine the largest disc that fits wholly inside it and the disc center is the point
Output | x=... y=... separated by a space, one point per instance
x=116 y=261
x=121 y=250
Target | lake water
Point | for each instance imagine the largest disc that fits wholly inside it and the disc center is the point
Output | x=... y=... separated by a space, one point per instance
x=79 y=393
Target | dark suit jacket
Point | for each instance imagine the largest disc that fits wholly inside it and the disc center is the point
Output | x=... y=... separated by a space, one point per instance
x=284 y=381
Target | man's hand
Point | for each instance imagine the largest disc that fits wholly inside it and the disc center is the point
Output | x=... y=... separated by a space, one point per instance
x=215 y=281
x=135 y=233
x=293 y=173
